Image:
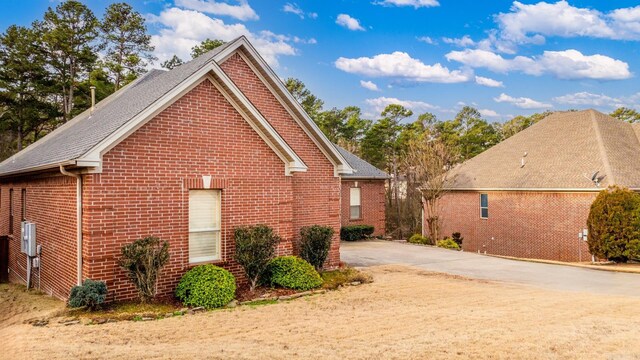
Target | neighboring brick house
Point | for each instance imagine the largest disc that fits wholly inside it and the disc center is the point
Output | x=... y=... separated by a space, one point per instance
x=530 y=195
x=186 y=155
x=363 y=194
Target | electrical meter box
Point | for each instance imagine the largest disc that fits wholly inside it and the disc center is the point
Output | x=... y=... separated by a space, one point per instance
x=28 y=235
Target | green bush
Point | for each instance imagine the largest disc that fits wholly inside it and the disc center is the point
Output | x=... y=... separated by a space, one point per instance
x=356 y=232
x=457 y=237
x=447 y=243
x=143 y=259
x=255 y=247
x=292 y=272
x=614 y=225
x=315 y=242
x=90 y=294
x=419 y=239
x=208 y=286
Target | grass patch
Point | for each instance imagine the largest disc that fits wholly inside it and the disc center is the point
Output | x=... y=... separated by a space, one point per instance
x=129 y=310
x=261 y=302
x=344 y=276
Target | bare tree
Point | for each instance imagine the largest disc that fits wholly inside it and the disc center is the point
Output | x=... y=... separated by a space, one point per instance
x=428 y=161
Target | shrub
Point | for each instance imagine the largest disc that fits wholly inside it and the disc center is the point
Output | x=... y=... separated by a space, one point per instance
x=614 y=225
x=255 y=247
x=208 y=286
x=356 y=232
x=315 y=242
x=419 y=239
x=447 y=243
x=143 y=259
x=457 y=237
x=90 y=294
x=292 y=272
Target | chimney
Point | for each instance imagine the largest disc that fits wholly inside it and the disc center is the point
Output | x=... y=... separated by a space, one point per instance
x=93 y=98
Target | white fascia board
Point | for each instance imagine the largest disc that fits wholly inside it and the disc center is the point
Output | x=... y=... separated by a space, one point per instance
x=94 y=155
x=340 y=163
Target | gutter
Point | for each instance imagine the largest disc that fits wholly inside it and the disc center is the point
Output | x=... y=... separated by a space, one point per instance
x=78 y=178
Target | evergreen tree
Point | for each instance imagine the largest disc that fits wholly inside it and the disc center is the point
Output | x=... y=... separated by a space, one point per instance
x=175 y=61
x=205 y=46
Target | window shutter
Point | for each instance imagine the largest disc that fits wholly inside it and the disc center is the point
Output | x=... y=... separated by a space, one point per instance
x=204 y=225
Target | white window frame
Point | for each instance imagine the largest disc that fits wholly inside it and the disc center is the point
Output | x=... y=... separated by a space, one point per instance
x=484 y=207
x=214 y=230
x=359 y=206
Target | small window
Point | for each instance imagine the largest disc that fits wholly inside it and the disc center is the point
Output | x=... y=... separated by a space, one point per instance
x=24 y=205
x=10 y=211
x=484 y=206
x=354 y=204
x=204 y=225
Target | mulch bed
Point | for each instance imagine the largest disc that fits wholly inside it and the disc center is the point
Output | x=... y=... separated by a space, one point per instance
x=261 y=292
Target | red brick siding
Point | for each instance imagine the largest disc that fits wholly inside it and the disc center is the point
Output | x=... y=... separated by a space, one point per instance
x=51 y=205
x=372 y=200
x=539 y=225
x=317 y=191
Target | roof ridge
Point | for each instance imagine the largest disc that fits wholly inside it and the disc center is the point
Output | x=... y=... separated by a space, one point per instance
x=601 y=148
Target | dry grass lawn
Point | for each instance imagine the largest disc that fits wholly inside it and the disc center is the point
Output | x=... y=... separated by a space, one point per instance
x=405 y=314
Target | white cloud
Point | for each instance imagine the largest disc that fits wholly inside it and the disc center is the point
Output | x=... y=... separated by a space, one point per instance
x=313 y=15
x=530 y=23
x=488 y=82
x=242 y=11
x=294 y=9
x=401 y=65
x=587 y=98
x=348 y=22
x=415 y=3
x=428 y=40
x=522 y=102
x=567 y=64
x=183 y=29
x=488 y=113
x=380 y=103
x=464 y=41
x=369 y=85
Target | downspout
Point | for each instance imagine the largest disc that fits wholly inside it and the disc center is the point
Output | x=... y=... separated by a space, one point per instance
x=78 y=218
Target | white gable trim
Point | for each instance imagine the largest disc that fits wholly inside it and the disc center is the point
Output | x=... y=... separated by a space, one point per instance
x=341 y=166
x=213 y=73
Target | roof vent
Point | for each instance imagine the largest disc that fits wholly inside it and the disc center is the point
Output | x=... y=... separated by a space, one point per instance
x=522 y=162
x=595 y=178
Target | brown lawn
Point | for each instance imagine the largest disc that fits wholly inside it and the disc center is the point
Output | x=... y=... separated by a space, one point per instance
x=405 y=314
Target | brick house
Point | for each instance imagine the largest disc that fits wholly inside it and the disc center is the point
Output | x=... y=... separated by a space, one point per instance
x=186 y=155
x=530 y=195
x=363 y=194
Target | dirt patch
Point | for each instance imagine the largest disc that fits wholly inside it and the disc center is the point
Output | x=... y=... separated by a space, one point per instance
x=404 y=314
x=17 y=305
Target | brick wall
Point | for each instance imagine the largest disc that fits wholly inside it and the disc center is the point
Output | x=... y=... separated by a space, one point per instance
x=372 y=200
x=51 y=205
x=540 y=225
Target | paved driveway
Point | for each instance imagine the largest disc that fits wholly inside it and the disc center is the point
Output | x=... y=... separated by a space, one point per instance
x=548 y=276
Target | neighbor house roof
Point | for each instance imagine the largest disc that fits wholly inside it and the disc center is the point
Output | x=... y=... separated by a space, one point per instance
x=564 y=151
x=361 y=168
x=82 y=141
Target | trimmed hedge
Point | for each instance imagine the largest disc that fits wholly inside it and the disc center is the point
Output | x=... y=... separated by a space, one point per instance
x=315 y=242
x=208 y=286
x=292 y=272
x=90 y=294
x=448 y=243
x=356 y=232
x=419 y=239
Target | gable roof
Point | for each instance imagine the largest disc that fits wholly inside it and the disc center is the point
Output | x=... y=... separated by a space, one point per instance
x=82 y=141
x=362 y=169
x=561 y=152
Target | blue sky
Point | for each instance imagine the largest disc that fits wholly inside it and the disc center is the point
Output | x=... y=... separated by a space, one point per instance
x=503 y=57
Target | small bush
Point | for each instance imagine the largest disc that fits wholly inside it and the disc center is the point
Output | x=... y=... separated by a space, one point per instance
x=90 y=294
x=208 y=286
x=457 y=237
x=143 y=259
x=614 y=225
x=292 y=272
x=255 y=247
x=356 y=232
x=315 y=242
x=344 y=276
x=419 y=239
x=448 y=243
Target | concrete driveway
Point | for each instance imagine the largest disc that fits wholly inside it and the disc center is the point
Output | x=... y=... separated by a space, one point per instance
x=472 y=265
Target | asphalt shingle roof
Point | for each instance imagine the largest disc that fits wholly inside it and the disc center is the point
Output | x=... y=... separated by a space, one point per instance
x=363 y=170
x=562 y=151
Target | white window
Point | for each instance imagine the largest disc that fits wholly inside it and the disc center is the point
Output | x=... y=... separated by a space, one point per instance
x=484 y=206
x=354 y=203
x=204 y=225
